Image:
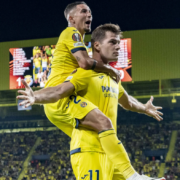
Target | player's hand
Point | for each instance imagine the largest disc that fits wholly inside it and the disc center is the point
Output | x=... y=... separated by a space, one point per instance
x=152 y=110
x=115 y=74
x=27 y=95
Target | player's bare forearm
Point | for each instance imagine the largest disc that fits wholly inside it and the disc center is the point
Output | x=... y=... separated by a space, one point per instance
x=53 y=94
x=130 y=103
x=46 y=95
x=98 y=66
x=136 y=106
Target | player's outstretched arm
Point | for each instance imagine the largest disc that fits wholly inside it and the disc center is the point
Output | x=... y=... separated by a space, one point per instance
x=46 y=95
x=130 y=103
x=86 y=62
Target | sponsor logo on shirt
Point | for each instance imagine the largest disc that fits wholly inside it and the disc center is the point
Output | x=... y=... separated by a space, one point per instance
x=109 y=89
x=84 y=176
x=101 y=77
x=110 y=92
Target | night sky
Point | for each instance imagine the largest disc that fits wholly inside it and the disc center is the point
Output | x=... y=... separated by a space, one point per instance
x=30 y=19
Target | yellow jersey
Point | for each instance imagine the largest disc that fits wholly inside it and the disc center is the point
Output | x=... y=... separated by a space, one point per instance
x=52 y=51
x=35 y=51
x=70 y=41
x=103 y=92
x=37 y=62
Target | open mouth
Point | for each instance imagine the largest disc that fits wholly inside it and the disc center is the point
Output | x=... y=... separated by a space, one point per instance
x=88 y=22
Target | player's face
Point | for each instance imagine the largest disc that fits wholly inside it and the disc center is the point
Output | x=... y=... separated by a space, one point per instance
x=109 y=47
x=83 y=18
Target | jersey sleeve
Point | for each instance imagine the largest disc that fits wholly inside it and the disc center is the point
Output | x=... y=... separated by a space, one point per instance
x=73 y=40
x=80 y=78
x=121 y=90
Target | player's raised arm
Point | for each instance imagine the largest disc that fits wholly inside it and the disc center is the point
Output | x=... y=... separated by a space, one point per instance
x=130 y=103
x=46 y=95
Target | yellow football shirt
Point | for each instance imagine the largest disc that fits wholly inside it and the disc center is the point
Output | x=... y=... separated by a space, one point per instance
x=52 y=51
x=37 y=62
x=103 y=92
x=70 y=41
x=35 y=51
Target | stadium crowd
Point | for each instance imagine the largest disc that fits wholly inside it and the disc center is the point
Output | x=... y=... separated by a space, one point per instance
x=14 y=148
x=172 y=170
x=137 y=138
x=51 y=159
x=57 y=165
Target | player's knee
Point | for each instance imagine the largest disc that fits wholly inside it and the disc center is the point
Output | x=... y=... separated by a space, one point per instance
x=104 y=123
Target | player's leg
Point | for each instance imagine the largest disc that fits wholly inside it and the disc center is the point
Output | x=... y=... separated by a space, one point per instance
x=62 y=112
x=113 y=148
x=60 y=119
x=109 y=141
x=91 y=166
x=89 y=115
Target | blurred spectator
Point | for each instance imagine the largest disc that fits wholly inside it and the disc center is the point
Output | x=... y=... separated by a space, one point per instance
x=44 y=63
x=37 y=61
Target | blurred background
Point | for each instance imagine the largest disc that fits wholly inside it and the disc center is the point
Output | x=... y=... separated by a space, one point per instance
x=33 y=148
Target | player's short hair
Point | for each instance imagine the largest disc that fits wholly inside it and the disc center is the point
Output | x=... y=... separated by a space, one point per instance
x=100 y=32
x=71 y=6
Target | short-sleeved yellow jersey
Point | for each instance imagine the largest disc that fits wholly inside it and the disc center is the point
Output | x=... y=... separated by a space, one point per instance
x=104 y=93
x=37 y=62
x=70 y=41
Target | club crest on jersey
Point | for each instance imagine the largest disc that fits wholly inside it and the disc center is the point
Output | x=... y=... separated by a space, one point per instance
x=83 y=104
x=76 y=37
x=74 y=71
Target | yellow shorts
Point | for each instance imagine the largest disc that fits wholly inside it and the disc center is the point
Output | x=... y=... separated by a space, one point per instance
x=92 y=166
x=65 y=112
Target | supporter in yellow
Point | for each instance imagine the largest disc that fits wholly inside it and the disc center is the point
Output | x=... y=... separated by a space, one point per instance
x=36 y=50
x=37 y=64
x=53 y=49
x=91 y=151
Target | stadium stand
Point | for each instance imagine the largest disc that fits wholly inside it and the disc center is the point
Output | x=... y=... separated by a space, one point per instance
x=14 y=149
x=172 y=170
x=147 y=146
x=51 y=158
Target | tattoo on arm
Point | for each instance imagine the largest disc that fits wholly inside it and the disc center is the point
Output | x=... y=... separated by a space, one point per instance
x=78 y=58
